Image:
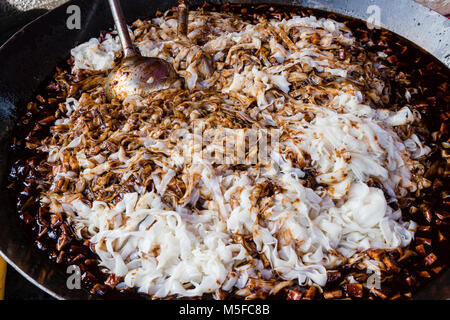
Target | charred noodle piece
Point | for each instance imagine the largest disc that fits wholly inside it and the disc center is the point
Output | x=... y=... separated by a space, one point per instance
x=294 y=75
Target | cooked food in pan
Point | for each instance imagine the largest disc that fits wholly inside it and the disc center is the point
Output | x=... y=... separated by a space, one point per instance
x=294 y=158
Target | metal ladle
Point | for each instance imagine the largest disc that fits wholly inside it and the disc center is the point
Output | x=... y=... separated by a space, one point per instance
x=138 y=75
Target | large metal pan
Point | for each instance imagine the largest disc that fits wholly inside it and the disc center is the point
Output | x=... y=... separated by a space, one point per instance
x=31 y=55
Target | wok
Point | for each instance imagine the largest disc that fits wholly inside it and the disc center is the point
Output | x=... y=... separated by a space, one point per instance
x=31 y=55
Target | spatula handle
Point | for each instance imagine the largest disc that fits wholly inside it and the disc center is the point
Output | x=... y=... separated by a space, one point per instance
x=183 y=12
x=122 y=29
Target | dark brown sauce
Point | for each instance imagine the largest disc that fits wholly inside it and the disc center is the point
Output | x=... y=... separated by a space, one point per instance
x=425 y=73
